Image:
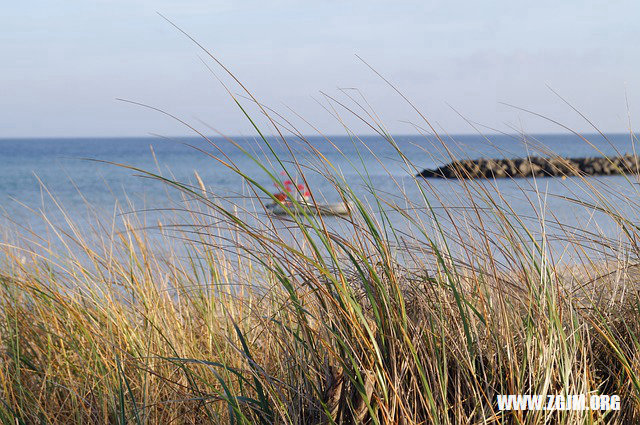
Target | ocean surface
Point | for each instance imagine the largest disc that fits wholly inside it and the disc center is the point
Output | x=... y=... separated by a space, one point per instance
x=88 y=171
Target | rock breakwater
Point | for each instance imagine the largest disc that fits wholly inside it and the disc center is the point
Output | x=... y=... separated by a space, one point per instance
x=535 y=166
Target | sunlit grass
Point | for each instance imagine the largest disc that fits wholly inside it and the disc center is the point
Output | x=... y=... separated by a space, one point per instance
x=412 y=309
x=231 y=315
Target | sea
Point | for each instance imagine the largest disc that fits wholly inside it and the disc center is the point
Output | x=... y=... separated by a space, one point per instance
x=46 y=182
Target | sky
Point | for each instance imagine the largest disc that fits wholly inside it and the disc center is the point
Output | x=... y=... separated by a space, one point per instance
x=467 y=66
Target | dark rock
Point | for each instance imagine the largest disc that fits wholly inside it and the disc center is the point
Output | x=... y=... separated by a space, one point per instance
x=536 y=170
x=534 y=166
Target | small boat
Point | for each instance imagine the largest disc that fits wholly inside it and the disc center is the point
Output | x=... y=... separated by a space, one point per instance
x=301 y=194
x=336 y=208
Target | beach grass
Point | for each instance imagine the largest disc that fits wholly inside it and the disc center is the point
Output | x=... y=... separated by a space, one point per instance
x=232 y=316
x=410 y=310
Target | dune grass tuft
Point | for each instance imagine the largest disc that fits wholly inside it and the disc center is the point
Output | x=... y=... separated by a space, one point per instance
x=410 y=310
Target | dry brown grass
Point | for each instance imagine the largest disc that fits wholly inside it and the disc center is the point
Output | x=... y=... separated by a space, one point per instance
x=257 y=326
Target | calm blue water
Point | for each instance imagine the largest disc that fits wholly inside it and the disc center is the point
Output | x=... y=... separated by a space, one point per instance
x=66 y=168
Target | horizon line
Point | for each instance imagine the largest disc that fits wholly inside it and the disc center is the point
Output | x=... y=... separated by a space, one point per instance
x=240 y=136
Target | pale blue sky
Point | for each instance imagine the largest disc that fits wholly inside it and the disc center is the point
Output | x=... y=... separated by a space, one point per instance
x=64 y=62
